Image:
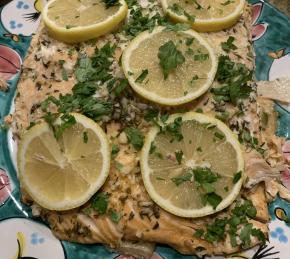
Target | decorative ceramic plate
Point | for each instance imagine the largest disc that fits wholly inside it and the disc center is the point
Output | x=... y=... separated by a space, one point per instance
x=21 y=236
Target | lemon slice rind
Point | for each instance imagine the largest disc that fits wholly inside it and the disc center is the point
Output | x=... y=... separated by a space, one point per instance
x=207 y=25
x=153 y=96
x=166 y=204
x=67 y=203
x=84 y=33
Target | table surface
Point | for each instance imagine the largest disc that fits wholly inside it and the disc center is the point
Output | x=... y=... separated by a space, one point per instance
x=282 y=5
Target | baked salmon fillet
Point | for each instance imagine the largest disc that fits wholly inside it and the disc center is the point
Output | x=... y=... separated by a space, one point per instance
x=49 y=70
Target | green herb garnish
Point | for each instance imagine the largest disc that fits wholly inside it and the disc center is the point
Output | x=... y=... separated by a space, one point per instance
x=100 y=203
x=229 y=44
x=114 y=216
x=85 y=137
x=182 y=178
x=135 y=137
x=169 y=58
x=115 y=150
x=142 y=76
x=237 y=177
x=178 y=156
x=234 y=77
x=110 y=3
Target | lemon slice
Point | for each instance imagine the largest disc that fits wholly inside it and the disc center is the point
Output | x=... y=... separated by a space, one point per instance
x=190 y=79
x=193 y=167
x=205 y=15
x=63 y=174
x=80 y=20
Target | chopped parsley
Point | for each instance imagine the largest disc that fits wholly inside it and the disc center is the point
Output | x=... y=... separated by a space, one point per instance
x=123 y=84
x=193 y=80
x=110 y=3
x=212 y=198
x=142 y=76
x=90 y=72
x=135 y=137
x=237 y=177
x=215 y=232
x=219 y=135
x=234 y=78
x=176 y=27
x=199 y=149
x=176 y=8
x=227 y=2
x=198 y=233
x=189 y=41
x=140 y=22
x=67 y=121
x=63 y=71
x=68 y=26
x=239 y=215
x=173 y=129
x=169 y=58
x=246 y=137
x=186 y=177
x=245 y=235
x=204 y=178
x=179 y=156
x=85 y=137
x=152 y=148
x=201 y=57
x=198 y=5
x=204 y=175
x=229 y=44
x=223 y=116
x=114 y=216
x=115 y=150
x=100 y=203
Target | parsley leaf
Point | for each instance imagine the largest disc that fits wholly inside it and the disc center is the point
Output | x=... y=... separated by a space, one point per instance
x=182 y=178
x=204 y=178
x=110 y=3
x=178 y=156
x=140 y=22
x=142 y=76
x=176 y=27
x=176 y=8
x=229 y=44
x=169 y=57
x=234 y=77
x=123 y=84
x=198 y=233
x=85 y=137
x=173 y=129
x=245 y=235
x=68 y=121
x=237 y=177
x=90 y=72
x=204 y=175
x=227 y=2
x=259 y=234
x=246 y=137
x=115 y=150
x=100 y=202
x=216 y=230
x=114 y=216
x=201 y=57
x=213 y=199
x=197 y=5
x=135 y=137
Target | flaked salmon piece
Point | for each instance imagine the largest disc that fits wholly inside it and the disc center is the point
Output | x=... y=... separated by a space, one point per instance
x=142 y=220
